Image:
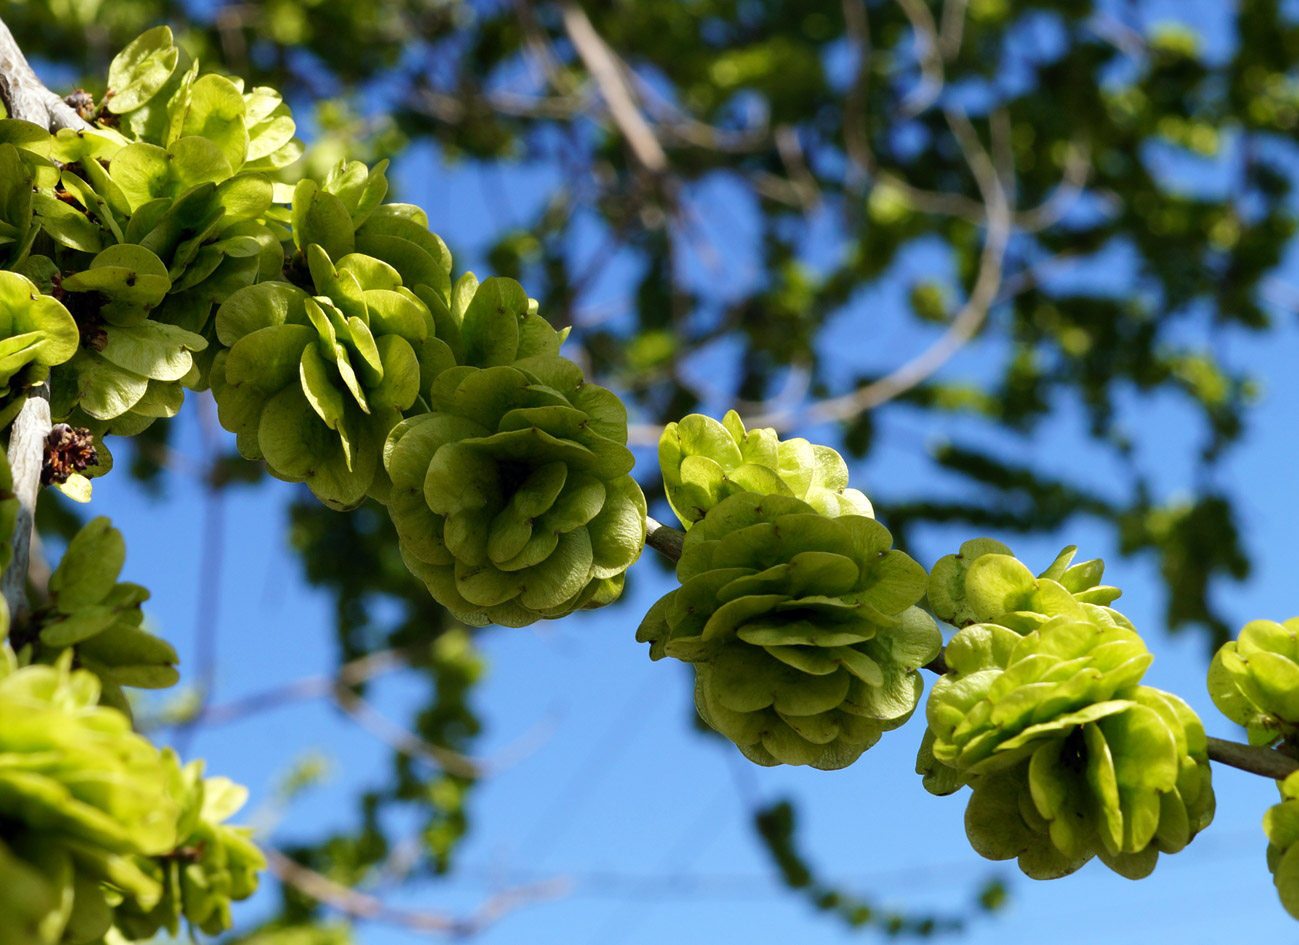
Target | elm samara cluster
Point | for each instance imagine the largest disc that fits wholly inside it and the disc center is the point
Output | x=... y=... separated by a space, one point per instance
x=1043 y=715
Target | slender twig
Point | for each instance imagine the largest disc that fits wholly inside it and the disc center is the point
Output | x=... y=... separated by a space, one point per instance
x=1264 y=761
x=403 y=740
x=340 y=688
x=601 y=62
x=210 y=571
x=353 y=673
x=929 y=55
x=962 y=328
x=790 y=150
x=665 y=540
x=359 y=905
x=952 y=28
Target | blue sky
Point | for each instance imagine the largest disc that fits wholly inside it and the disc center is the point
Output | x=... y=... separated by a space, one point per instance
x=647 y=821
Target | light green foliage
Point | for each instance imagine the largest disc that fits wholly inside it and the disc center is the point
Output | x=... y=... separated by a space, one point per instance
x=101 y=829
x=1281 y=824
x=1043 y=715
x=801 y=628
x=1254 y=680
x=94 y=615
x=704 y=461
x=81 y=797
x=511 y=497
x=213 y=864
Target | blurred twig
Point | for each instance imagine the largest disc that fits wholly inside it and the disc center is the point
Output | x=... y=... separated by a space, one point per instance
x=602 y=63
x=359 y=905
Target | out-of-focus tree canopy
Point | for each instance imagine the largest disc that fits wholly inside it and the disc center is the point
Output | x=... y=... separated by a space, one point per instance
x=914 y=173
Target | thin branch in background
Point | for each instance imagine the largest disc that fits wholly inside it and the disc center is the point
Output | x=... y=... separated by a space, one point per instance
x=359 y=905
x=855 y=138
x=929 y=56
x=962 y=328
x=951 y=29
x=402 y=740
x=353 y=673
x=790 y=150
x=601 y=62
x=211 y=563
x=340 y=688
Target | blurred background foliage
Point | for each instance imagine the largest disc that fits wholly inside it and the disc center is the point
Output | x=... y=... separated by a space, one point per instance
x=850 y=136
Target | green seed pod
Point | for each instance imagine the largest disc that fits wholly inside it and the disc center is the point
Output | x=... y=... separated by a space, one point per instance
x=36 y=333
x=512 y=498
x=1254 y=680
x=155 y=90
x=985 y=583
x=1281 y=824
x=81 y=797
x=1067 y=755
x=130 y=369
x=313 y=384
x=704 y=461
x=801 y=629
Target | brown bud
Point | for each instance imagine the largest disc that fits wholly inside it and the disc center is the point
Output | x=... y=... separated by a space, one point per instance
x=68 y=450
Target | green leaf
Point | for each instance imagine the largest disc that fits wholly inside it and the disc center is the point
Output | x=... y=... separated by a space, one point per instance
x=89 y=567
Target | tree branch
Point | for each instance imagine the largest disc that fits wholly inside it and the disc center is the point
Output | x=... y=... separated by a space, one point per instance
x=665 y=540
x=26 y=97
x=1267 y=762
x=361 y=905
x=601 y=63
x=26 y=458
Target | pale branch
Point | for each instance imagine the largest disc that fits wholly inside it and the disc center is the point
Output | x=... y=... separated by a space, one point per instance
x=600 y=61
x=359 y=905
x=27 y=439
x=928 y=52
x=339 y=687
x=963 y=327
x=402 y=740
x=804 y=185
x=952 y=28
x=26 y=97
x=353 y=673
